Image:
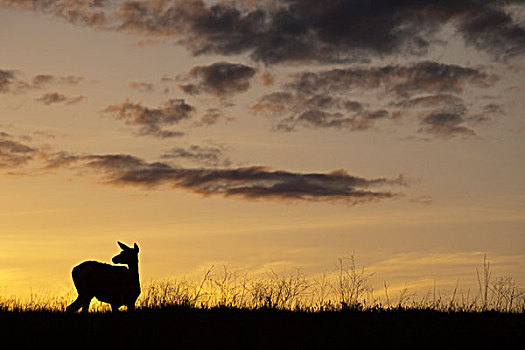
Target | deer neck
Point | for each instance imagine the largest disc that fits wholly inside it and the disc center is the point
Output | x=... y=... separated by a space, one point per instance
x=134 y=269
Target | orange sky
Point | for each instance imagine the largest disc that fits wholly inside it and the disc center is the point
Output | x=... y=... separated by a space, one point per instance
x=261 y=153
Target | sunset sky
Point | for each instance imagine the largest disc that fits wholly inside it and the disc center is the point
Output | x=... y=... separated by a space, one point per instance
x=262 y=134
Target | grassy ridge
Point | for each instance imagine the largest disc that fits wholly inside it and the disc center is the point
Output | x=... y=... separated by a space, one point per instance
x=189 y=328
x=347 y=287
x=226 y=311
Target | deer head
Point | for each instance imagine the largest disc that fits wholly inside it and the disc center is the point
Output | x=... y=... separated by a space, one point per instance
x=128 y=256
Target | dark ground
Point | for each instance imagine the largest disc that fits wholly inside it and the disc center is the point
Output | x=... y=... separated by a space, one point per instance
x=223 y=328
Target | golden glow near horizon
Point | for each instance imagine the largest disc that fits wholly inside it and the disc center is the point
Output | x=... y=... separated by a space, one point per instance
x=242 y=158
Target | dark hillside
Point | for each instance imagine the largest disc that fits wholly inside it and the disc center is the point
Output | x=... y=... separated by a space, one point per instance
x=224 y=328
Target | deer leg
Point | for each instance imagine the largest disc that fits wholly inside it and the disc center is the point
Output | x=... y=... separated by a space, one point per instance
x=74 y=306
x=85 y=304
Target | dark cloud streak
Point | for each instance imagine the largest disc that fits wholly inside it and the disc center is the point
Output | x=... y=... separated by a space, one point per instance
x=246 y=183
x=253 y=182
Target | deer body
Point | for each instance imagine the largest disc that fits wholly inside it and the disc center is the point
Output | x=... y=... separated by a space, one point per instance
x=116 y=285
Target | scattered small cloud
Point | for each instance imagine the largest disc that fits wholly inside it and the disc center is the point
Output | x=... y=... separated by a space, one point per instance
x=55 y=97
x=43 y=79
x=82 y=12
x=494 y=109
x=45 y=134
x=6 y=79
x=220 y=79
x=142 y=87
x=330 y=98
x=212 y=116
x=321 y=119
x=396 y=80
x=12 y=82
x=514 y=89
x=267 y=79
x=432 y=101
x=202 y=155
x=424 y=199
x=445 y=125
x=13 y=153
x=153 y=121
x=71 y=80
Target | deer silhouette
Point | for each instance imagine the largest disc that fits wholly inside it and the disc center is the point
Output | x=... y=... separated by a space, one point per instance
x=116 y=285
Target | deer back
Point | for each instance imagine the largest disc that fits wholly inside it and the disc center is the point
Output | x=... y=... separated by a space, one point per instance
x=108 y=283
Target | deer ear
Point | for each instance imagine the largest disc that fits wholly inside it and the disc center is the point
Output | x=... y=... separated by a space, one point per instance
x=136 y=247
x=122 y=246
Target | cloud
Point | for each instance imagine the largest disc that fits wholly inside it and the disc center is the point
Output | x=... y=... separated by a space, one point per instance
x=152 y=121
x=212 y=116
x=424 y=199
x=142 y=87
x=267 y=79
x=318 y=111
x=275 y=102
x=327 y=98
x=85 y=12
x=446 y=124
x=13 y=153
x=6 y=78
x=44 y=134
x=245 y=183
x=334 y=31
x=41 y=80
x=321 y=119
x=398 y=80
x=59 y=160
x=71 y=80
x=302 y=30
x=221 y=79
x=493 y=29
x=444 y=115
x=204 y=155
x=432 y=101
x=55 y=97
x=289 y=30
x=254 y=182
x=10 y=81
x=493 y=108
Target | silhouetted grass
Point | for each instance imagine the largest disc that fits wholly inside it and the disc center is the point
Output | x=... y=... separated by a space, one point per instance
x=346 y=288
x=225 y=309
